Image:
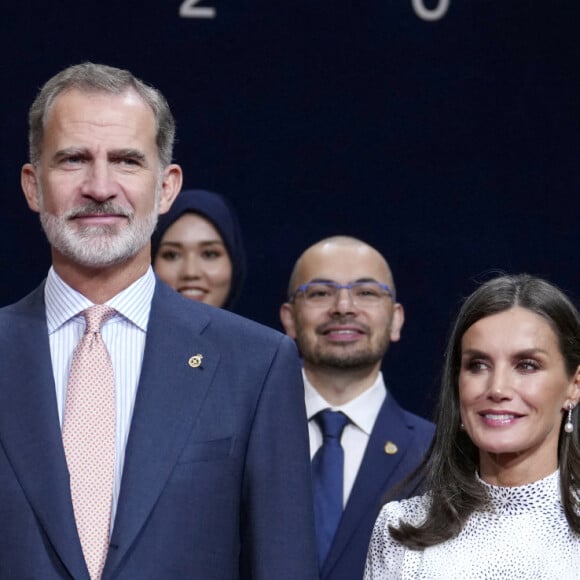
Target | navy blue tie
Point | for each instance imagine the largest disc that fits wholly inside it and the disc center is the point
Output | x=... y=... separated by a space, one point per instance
x=327 y=476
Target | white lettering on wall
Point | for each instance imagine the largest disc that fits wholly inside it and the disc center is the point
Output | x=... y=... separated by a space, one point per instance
x=430 y=13
x=188 y=9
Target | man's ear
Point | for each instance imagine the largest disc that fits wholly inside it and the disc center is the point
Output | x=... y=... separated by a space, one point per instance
x=29 y=183
x=287 y=319
x=170 y=186
x=397 y=322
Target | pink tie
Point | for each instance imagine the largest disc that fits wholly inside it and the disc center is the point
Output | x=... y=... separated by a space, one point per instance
x=89 y=438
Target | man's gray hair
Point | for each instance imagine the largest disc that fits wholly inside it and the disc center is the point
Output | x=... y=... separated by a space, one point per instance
x=90 y=78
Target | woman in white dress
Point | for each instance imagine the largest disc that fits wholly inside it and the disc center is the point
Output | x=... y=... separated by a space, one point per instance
x=503 y=476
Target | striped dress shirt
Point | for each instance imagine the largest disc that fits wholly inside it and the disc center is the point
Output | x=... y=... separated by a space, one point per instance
x=124 y=335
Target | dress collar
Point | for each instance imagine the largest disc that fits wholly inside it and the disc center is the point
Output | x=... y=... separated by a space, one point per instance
x=523 y=499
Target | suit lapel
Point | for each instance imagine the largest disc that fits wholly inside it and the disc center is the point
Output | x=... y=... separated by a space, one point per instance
x=30 y=429
x=168 y=400
x=378 y=471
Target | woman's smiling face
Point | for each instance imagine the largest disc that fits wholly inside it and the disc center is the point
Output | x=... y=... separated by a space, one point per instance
x=192 y=259
x=514 y=390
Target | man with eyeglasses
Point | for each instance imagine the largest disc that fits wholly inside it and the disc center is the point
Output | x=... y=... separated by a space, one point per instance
x=343 y=313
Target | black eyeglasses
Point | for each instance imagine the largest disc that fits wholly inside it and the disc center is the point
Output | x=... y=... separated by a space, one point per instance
x=325 y=293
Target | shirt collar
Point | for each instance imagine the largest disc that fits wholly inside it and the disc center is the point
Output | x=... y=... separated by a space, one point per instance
x=362 y=410
x=64 y=302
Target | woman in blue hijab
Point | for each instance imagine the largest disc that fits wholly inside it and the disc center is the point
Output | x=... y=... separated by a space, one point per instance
x=197 y=249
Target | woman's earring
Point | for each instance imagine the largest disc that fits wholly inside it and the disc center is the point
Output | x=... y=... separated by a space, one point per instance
x=569 y=426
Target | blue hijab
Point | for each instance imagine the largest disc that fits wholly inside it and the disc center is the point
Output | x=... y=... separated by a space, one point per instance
x=218 y=211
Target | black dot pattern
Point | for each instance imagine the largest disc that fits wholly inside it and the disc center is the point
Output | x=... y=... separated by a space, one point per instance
x=523 y=535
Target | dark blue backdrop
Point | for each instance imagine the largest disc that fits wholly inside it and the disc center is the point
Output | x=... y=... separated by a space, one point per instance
x=450 y=145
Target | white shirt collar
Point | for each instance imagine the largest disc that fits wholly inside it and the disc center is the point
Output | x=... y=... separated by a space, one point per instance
x=362 y=410
x=63 y=302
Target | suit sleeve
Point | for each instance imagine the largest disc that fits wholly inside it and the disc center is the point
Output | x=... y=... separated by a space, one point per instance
x=277 y=532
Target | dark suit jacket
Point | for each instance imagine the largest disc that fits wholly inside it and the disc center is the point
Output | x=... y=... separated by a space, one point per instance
x=216 y=483
x=378 y=473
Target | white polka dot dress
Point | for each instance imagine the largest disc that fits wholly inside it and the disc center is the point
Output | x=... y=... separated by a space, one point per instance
x=524 y=535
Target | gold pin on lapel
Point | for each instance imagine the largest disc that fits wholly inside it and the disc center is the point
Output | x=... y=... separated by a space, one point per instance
x=195 y=361
x=390 y=448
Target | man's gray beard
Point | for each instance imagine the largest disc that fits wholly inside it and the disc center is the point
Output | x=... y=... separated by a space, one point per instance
x=98 y=245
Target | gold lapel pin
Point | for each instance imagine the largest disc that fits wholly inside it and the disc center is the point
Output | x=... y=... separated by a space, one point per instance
x=195 y=361
x=390 y=448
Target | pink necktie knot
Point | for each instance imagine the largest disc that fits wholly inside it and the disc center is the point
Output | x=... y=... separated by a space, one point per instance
x=96 y=316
